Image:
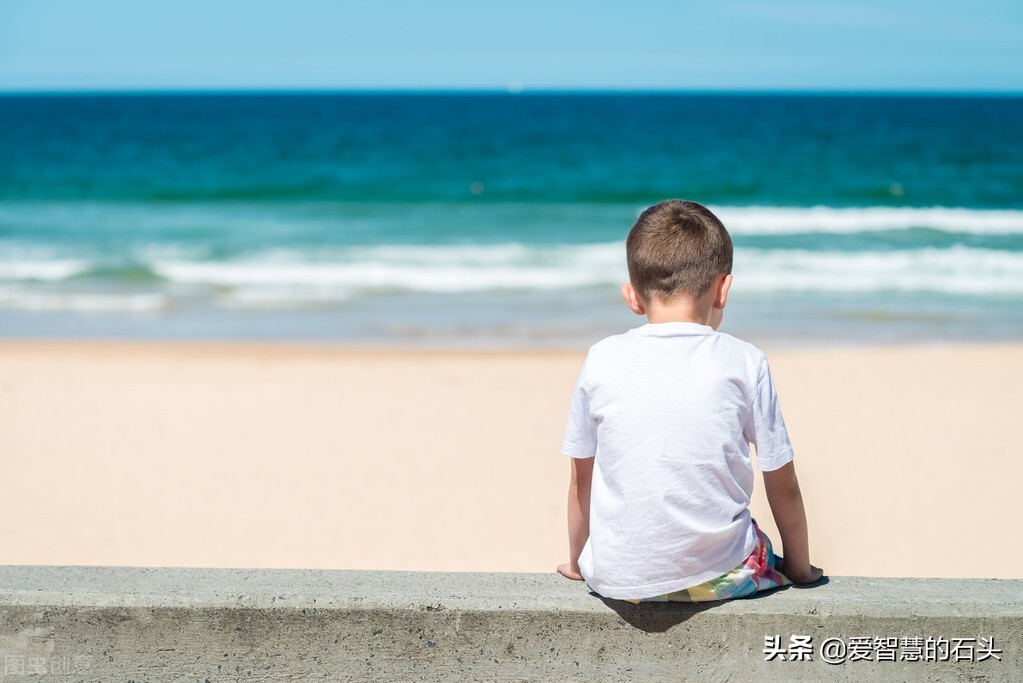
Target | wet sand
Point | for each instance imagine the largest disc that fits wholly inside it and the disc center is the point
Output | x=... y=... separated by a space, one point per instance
x=254 y=455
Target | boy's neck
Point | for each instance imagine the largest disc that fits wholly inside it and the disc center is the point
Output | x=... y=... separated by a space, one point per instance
x=682 y=310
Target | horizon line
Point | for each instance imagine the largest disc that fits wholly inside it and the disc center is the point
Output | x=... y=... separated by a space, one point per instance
x=508 y=91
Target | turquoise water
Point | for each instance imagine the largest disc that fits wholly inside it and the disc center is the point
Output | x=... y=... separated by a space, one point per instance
x=500 y=219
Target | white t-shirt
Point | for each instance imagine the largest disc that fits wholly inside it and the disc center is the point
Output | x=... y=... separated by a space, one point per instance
x=669 y=411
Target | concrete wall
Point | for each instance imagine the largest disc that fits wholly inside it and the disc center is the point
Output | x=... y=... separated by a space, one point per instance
x=138 y=624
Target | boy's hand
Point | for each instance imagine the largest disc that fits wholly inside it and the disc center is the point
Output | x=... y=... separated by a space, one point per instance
x=802 y=578
x=570 y=571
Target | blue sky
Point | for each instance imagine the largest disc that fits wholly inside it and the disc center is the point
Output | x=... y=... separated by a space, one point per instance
x=388 y=44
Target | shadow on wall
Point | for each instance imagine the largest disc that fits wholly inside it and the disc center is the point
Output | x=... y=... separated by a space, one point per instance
x=658 y=617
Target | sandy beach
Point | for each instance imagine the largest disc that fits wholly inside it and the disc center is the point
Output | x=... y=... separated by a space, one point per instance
x=254 y=455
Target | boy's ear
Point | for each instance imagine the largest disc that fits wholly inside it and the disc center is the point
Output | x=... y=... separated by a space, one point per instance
x=631 y=297
x=723 y=285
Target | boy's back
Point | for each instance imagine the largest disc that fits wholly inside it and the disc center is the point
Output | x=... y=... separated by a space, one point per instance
x=659 y=431
x=669 y=409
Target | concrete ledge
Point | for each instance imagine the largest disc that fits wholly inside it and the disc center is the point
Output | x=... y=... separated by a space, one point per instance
x=139 y=624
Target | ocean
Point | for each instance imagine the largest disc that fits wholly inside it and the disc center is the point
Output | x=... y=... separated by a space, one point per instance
x=459 y=219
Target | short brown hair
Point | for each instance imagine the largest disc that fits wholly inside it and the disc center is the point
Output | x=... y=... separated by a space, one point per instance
x=677 y=248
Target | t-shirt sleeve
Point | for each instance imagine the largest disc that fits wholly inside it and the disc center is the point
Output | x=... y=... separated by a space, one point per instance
x=766 y=428
x=581 y=430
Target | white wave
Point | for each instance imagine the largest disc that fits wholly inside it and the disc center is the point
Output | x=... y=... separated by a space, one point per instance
x=242 y=218
x=49 y=270
x=283 y=275
x=773 y=220
x=428 y=269
x=283 y=298
x=284 y=278
x=21 y=298
x=382 y=276
x=959 y=270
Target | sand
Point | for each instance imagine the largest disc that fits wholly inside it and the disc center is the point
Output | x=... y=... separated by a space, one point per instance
x=253 y=455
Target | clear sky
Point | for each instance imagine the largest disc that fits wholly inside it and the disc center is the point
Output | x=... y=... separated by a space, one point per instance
x=532 y=44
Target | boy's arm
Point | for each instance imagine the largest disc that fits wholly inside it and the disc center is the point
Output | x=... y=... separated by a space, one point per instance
x=578 y=515
x=786 y=502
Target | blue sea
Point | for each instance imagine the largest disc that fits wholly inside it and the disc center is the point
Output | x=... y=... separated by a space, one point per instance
x=499 y=219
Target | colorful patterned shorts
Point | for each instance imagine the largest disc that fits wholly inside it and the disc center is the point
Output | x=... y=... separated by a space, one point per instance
x=756 y=573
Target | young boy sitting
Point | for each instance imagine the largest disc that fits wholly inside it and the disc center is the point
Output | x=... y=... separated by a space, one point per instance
x=659 y=430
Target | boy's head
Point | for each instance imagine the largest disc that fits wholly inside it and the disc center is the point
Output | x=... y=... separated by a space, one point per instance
x=677 y=249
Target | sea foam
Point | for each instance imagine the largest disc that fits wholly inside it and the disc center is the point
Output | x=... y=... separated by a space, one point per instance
x=24 y=299
x=956 y=270
x=774 y=220
x=151 y=273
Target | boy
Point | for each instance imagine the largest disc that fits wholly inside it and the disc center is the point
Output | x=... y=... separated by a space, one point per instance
x=659 y=430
